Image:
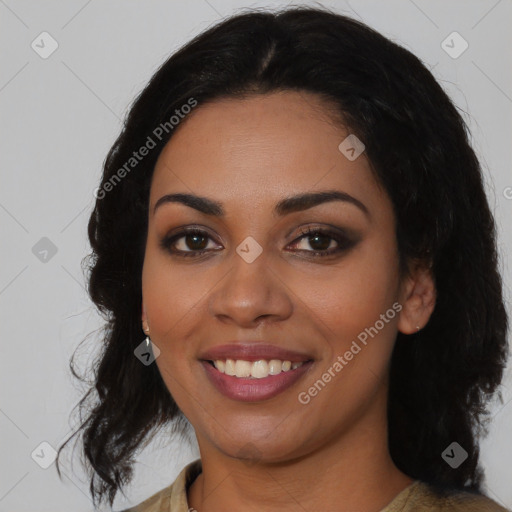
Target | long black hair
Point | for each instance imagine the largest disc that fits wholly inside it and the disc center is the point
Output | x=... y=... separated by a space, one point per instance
x=442 y=378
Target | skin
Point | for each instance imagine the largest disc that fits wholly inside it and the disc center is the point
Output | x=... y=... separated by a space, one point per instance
x=279 y=454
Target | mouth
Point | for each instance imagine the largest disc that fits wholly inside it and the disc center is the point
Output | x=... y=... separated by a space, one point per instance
x=255 y=371
x=254 y=381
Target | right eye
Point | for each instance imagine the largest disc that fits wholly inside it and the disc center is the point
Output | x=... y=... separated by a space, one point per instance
x=187 y=243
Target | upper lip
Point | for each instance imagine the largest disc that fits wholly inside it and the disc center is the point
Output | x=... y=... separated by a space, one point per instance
x=253 y=352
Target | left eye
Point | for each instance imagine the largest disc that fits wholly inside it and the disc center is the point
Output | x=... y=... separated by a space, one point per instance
x=322 y=242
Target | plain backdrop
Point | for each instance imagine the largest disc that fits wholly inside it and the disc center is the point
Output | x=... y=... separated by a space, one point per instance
x=59 y=117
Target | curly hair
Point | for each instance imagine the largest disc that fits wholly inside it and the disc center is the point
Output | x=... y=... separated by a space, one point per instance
x=442 y=378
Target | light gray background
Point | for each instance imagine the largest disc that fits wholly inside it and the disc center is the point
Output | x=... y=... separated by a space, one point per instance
x=59 y=117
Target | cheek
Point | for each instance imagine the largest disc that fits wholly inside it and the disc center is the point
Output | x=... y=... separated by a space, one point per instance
x=357 y=295
x=169 y=298
x=174 y=299
x=170 y=292
x=358 y=311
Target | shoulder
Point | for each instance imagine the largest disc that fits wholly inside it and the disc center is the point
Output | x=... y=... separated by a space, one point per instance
x=174 y=497
x=421 y=497
x=155 y=503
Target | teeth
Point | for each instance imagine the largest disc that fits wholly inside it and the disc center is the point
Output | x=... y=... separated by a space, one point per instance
x=275 y=366
x=243 y=368
x=259 y=369
x=256 y=370
x=229 y=368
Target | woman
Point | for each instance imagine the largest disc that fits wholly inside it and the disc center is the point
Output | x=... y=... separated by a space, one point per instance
x=294 y=251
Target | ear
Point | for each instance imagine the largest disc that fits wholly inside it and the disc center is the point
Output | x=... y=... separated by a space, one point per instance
x=418 y=299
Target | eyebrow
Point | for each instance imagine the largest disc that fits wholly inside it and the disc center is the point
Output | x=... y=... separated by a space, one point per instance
x=285 y=206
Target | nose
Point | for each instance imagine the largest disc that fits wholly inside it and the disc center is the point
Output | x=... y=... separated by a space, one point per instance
x=251 y=293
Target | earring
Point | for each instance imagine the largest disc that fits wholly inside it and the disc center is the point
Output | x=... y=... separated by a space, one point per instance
x=417 y=328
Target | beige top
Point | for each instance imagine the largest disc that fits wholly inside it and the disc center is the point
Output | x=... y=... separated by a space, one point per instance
x=417 y=497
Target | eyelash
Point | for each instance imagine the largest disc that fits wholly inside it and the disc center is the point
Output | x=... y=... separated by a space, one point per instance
x=344 y=242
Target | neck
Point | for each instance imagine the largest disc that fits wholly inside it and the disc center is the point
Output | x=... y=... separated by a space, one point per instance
x=353 y=471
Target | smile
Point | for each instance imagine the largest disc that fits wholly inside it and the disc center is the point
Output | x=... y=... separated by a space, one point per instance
x=254 y=381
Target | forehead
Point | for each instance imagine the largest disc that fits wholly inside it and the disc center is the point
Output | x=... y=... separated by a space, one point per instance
x=257 y=149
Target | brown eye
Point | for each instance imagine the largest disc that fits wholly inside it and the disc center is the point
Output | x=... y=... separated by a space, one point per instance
x=189 y=242
x=319 y=241
x=194 y=242
x=322 y=242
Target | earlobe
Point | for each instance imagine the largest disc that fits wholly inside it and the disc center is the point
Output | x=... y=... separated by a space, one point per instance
x=144 y=318
x=418 y=302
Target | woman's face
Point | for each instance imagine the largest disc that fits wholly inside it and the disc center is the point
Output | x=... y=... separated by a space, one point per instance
x=263 y=280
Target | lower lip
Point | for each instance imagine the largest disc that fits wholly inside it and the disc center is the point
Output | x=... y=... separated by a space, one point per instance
x=254 y=390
